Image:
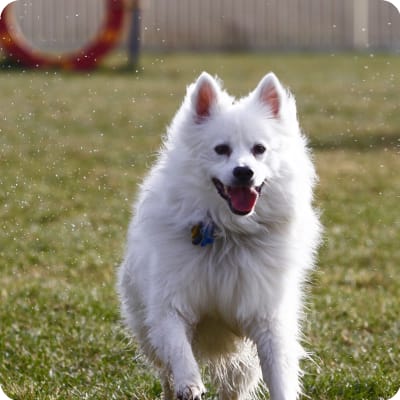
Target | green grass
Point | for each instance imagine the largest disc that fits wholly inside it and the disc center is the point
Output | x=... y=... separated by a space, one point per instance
x=72 y=150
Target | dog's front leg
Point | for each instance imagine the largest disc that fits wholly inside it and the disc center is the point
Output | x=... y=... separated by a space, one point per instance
x=279 y=353
x=169 y=336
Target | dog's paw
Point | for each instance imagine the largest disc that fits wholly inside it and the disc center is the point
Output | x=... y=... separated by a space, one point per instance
x=192 y=392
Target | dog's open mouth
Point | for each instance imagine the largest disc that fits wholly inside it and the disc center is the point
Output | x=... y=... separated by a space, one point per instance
x=241 y=199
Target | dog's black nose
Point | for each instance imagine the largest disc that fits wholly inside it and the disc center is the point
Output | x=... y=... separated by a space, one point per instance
x=243 y=174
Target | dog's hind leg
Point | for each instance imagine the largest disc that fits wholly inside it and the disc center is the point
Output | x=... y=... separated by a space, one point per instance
x=167 y=386
x=239 y=374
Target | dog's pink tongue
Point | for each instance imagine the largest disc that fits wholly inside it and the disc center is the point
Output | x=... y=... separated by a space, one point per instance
x=243 y=199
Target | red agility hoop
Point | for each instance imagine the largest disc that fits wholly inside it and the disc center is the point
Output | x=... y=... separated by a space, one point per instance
x=86 y=58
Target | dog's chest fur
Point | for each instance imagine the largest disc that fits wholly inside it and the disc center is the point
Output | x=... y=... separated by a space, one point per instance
x=235 y=279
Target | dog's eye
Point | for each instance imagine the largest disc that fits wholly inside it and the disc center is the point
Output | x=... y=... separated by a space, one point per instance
x=223 y=150
x=258 y=149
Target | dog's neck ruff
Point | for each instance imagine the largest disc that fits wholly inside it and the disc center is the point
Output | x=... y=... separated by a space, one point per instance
x=203 y=233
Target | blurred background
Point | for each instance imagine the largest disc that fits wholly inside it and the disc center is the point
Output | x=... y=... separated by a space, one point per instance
x=76 y=138
x=208 y=25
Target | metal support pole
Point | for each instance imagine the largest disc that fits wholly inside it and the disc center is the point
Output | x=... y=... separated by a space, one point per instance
x=134 y=35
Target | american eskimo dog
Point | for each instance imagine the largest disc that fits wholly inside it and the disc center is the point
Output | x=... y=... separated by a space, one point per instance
x=220 y=244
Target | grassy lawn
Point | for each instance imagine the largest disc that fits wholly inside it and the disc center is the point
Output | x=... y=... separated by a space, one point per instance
x=72 y=150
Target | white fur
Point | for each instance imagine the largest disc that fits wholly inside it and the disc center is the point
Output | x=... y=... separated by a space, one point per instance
x=241 y=296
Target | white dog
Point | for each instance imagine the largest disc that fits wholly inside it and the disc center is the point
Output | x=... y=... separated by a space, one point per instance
x=218 y=251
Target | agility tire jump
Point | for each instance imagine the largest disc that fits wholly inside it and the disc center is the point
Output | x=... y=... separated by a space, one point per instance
x=86 y=58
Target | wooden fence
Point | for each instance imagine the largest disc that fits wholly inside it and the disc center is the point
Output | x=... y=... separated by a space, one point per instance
x=222 y=24
x=270 y=24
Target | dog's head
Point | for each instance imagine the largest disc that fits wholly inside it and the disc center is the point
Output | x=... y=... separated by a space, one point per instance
x=237 y=146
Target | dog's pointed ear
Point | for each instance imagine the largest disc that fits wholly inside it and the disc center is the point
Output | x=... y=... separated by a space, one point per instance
x=271 y=94
x=204 y=96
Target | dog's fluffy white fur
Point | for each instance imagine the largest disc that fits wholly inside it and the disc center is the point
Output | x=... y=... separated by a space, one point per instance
x=234 y=304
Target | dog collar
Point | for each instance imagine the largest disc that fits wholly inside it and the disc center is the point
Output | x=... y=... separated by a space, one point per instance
x=203 y=233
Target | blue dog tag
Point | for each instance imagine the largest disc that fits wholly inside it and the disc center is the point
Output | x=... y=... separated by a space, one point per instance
x=203 y=234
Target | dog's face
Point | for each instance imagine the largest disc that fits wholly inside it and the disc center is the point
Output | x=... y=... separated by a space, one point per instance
x=239 y=167
x=237 y=142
